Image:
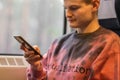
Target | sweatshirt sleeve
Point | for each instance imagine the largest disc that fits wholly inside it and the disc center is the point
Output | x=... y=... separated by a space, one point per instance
x=33 y=74
x=107 y=66
x=41 y=73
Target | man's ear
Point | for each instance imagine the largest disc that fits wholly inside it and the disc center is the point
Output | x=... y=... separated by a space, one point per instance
x=95 y=4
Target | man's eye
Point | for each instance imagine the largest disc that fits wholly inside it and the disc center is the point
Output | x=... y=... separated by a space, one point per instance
x=74 y=8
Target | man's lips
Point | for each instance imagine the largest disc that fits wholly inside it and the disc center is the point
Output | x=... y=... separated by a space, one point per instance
x=71 y=20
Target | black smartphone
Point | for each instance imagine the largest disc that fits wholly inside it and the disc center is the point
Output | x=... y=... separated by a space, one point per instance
x=21 y=40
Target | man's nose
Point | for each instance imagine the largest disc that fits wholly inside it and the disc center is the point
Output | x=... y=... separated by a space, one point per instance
x=68 y=13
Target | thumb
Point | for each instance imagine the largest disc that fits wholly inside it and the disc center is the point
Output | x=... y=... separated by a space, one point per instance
x=36 y=48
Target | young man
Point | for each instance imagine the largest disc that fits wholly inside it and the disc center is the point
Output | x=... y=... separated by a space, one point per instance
x=90 y=53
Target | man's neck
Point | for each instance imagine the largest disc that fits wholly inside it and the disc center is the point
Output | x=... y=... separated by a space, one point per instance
x=92 y=27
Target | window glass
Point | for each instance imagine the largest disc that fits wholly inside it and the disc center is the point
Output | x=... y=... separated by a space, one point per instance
x=38 y=21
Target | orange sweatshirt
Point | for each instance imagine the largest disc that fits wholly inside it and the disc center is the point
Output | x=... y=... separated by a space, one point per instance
x=93 y=56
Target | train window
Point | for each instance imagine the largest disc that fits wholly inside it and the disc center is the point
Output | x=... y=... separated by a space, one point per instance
x=38 y=21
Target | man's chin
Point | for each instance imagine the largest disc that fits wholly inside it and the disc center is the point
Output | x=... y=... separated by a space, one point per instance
x=73 y=26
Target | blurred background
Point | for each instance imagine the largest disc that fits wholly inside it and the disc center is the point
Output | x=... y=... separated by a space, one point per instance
x=38 y=21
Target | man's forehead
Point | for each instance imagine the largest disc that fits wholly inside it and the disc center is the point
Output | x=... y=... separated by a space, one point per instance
x=72 y=1
x=79 y=1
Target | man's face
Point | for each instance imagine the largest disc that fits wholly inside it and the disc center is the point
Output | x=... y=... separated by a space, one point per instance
x=78 y=13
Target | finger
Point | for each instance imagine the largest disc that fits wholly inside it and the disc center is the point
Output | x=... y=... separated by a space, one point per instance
x=32 y=59
x=23 y=48
x=36 y=48
x=28 y=54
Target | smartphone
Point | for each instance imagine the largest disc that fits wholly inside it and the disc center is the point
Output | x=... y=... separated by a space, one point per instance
x=21 y=40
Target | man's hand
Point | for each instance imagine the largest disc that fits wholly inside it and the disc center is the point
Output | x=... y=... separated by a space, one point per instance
x=31 y=57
